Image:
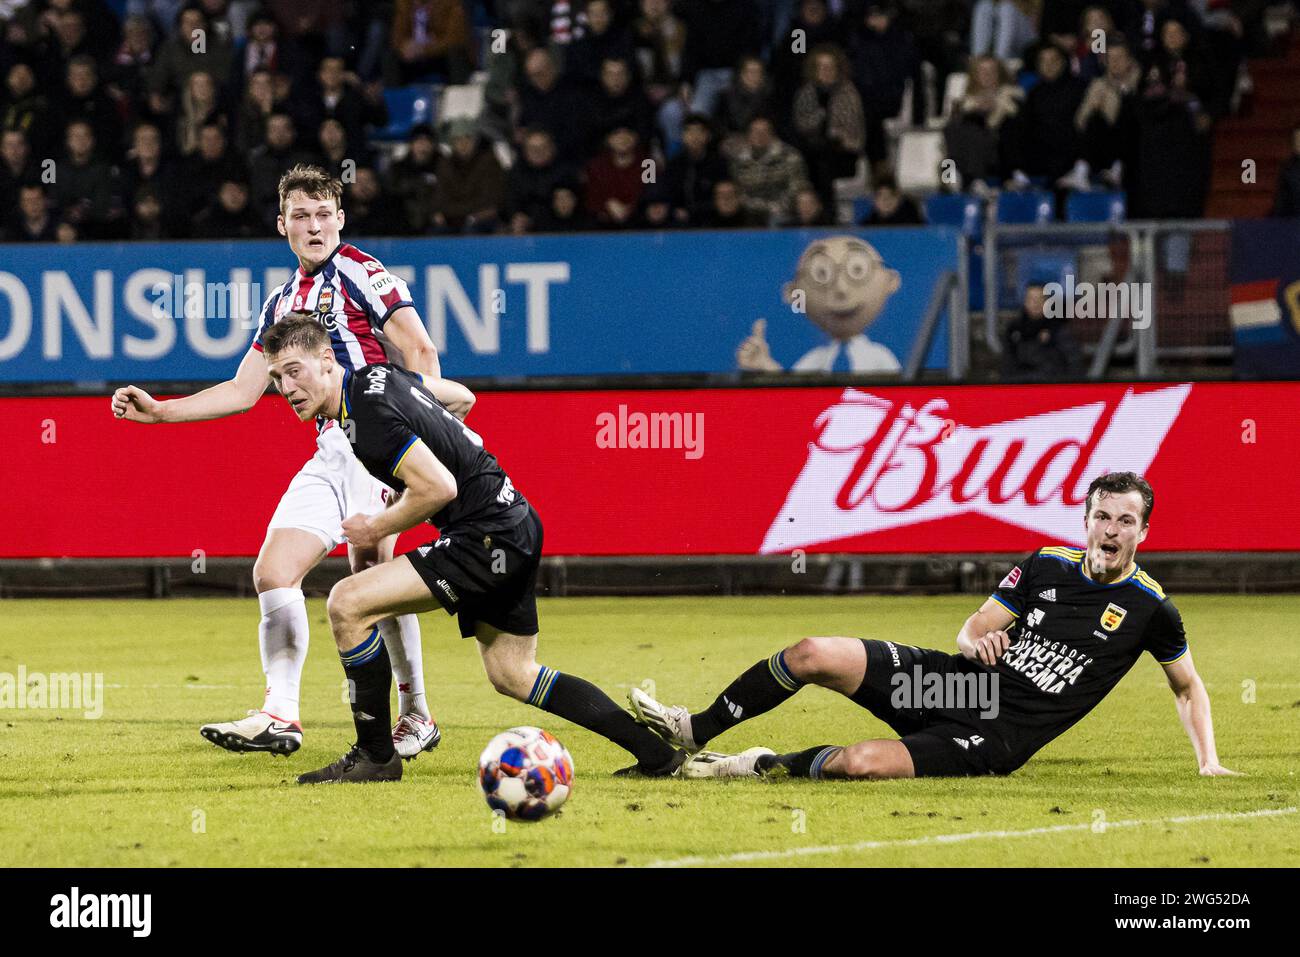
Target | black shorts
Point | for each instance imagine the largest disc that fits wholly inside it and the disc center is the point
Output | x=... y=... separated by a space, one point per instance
x=943 y=741
x=487 y=576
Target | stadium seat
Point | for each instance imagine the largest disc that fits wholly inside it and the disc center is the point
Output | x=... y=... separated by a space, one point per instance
x=459 y=102
x=919 y=154
x=954 y=89
x=1095 y=207
x=1029 y=206
x=408 y=106
x=862 y=207
x=955 y=209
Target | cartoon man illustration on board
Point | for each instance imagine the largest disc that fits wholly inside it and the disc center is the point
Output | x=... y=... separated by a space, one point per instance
x=842 y=284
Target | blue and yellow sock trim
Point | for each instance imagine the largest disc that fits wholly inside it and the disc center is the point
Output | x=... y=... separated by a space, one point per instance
x=542 y=687
x=365 y=652
x=824 y=755
x=776 y=665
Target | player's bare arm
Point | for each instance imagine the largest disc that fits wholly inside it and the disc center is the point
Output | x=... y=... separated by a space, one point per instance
x=408 y=334
x=983 y=637
x=231 y=397
x=429 y=488
x=1193 y=703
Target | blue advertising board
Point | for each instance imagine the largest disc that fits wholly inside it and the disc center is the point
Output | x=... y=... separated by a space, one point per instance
x=496 y=306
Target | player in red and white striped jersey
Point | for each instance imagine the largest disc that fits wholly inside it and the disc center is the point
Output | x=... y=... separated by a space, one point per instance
x=356 y=299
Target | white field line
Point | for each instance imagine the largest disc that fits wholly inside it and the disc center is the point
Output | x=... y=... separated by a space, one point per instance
x=748 y=856
x=188 y=684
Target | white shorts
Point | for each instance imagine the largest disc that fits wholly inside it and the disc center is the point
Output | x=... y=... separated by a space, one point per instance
x=330 y=487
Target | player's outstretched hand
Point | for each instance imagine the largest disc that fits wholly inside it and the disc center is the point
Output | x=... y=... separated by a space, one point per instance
x=136 y=405
x=988 y=649
x=358 y=532
x=1217 y=770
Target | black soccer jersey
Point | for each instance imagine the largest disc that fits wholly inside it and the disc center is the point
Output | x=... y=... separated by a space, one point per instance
x=1073 y=640
x=387 y=410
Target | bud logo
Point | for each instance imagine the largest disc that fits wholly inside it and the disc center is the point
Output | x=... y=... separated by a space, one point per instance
x=875 y=464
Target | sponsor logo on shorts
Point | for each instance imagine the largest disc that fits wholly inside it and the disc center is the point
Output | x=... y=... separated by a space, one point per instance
x=448 y=590
x=893 y=653
x=966 y=743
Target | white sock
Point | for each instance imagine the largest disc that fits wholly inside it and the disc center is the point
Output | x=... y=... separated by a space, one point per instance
x=283 y=634
x=402 y=636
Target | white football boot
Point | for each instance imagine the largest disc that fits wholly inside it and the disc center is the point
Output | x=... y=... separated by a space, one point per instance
x=258 y=732
x=714 y=764
x=414 y=733
x=672 y=723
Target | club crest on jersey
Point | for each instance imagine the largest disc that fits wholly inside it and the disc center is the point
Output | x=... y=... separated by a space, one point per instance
x=325 y=301
x=1013 y=576
x=1112 y=617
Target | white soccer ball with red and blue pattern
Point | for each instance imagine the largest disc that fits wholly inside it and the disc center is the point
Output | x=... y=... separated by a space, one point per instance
x=525 y=773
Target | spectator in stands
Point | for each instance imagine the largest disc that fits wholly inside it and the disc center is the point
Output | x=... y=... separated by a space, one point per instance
x=656 y=208
x=727 y=211
x=229 y=216
x=1059 y=24
x=531 y=181
x=27 y=109
x=1173 y=151
x=693 y=172
x=809 y=211
x=555 y=104
x=768 y=172
x=749 y=95
x=369 y=211
x=85 y=188
x=146 y=215
x=191 y=48
x=718 y=34
x=890 y=207
x=431 y=36
x=884 y=58
x=334 y=148
x=471 y=185
x=1088 y=58
x=271 y=160
x=412 y=180
x=35 y=223
x=128 y=73
x=603 y=39
x=615 y=180
x=619 y=102
x=1048 y=141
x=1107 y=118
x=1036 y=348
x=828 y=120
x=342 y=97
x=505 y=70
x=940 y=28
x=565 y=214
x=973 y=134
x=788 y=60
x=1287 y=200
x=262 y=50
x=84 y=98
x=659 y=40
x=260 y=100
x=199 y=107
x=1141 y=22
x=1003 y=28
x=146 y=168
x=17 y=168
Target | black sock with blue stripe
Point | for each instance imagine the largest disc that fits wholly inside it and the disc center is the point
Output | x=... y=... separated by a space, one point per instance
x=761 y=688
x=581 y=702
x=800 y=764
x=371 y=675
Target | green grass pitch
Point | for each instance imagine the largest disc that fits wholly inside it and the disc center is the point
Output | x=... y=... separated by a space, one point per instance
x=139 y=786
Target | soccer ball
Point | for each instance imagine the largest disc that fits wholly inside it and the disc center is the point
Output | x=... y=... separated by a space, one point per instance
x=525 y=773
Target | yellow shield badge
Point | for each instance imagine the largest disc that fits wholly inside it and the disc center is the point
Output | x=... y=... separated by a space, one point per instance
x=1112 y=617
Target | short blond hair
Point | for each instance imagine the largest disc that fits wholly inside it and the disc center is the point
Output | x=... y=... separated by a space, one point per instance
x=312 y=181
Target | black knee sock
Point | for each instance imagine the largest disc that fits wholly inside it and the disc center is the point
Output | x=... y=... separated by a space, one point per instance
x=800 y=764
x=760 y=689
x=581 y=702
x=371 y=673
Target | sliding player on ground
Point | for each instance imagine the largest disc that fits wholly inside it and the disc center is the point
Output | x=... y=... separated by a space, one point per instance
x=1056 y=636
x=482 y=568
x=352 y=298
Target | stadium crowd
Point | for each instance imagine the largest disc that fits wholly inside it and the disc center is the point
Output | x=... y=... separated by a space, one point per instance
x=176 y=120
